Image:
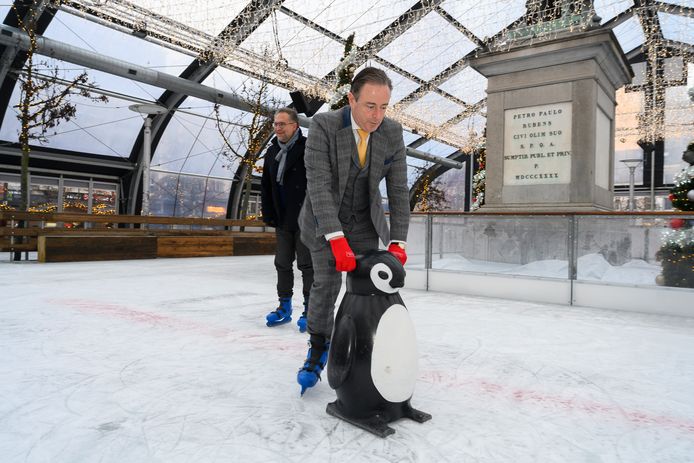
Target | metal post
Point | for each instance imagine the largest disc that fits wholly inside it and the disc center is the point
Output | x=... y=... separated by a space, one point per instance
x=653 y=178
x=61 y=193
x=428 y=241
x=471 y=175
x=573 y=256
x=90 y=199
x=632 y=164
x=147 y=109
x=428 y=247
x=572 y=240
x=146 y=156
x=631 y=187
x=441 y=237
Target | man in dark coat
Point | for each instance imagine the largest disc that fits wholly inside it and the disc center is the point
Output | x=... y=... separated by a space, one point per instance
x=283 y=192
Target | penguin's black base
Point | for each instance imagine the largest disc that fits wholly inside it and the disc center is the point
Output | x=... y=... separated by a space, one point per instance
x=378 y=423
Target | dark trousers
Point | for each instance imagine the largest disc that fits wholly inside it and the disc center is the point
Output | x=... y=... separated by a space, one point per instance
x=361 y=237
x=289 y=246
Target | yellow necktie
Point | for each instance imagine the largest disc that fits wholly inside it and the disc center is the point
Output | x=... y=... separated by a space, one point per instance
x=361 y=148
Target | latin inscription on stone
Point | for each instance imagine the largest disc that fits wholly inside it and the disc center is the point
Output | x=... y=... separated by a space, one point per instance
x=537 y=145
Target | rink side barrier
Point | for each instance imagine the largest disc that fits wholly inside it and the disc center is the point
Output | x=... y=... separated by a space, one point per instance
x=609 y=260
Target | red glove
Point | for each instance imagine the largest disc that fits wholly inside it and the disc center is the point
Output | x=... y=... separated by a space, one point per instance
x=344 y=256
x=398 y=252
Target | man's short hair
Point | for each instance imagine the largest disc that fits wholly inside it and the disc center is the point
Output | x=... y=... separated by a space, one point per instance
x=369 y=75
x=291 y=112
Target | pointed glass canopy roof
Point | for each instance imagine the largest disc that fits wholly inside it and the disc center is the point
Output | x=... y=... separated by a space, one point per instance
x=297 y=45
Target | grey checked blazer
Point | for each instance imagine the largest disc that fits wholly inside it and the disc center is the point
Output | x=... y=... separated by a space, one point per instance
x=329 y=150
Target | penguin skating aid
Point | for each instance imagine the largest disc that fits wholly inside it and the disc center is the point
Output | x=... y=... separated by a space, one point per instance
x=372 y=364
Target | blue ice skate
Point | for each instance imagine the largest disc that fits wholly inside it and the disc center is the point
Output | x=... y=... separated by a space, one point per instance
x=302 y=321
x=282 y=314
x=316 y=358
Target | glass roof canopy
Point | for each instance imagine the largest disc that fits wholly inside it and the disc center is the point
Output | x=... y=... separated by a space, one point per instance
x=297 y=44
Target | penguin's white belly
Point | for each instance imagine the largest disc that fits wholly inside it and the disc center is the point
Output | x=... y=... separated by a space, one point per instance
x=394 y=356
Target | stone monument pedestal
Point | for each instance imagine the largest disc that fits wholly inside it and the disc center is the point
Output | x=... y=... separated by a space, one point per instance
x=550 y=123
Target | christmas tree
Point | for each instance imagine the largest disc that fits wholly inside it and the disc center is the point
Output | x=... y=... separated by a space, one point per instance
x=345 y=73
x=677 y=252
x=682 y=193
x=479 y=180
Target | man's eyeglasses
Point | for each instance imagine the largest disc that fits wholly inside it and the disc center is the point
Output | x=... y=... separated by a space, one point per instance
x=281 y=125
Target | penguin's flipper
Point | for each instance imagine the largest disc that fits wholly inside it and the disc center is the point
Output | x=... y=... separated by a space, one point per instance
x=341 y=352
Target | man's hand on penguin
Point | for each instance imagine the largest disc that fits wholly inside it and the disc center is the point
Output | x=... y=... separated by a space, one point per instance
x=344 y=256
x=398 y=251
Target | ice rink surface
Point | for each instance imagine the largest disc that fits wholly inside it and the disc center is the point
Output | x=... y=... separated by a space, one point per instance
x=169 y=360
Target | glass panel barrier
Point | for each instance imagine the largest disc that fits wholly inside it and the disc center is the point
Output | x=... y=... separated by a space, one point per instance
x=43 y=194
x=643 y=250
x=10 y=192
x=162 y=193
x=189 y=196
x=216 y=198
x=75 y=196
x=630 y=250
x=514 y=245
x=104 y=198
x=416 y=242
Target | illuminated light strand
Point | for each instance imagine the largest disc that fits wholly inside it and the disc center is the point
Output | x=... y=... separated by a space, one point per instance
x=163 y=19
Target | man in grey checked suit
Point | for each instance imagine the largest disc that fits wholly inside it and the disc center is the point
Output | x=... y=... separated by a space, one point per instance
x=348 y=153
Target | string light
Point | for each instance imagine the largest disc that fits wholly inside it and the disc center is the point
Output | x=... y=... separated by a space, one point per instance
x=43 y=207
x=159 y=26
x=542 y=24
x=103 y=209
x=430 y=194
x=424 y=204
x=171 y=23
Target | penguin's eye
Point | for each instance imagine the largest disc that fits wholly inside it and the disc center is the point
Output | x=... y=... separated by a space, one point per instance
x=381 y=275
